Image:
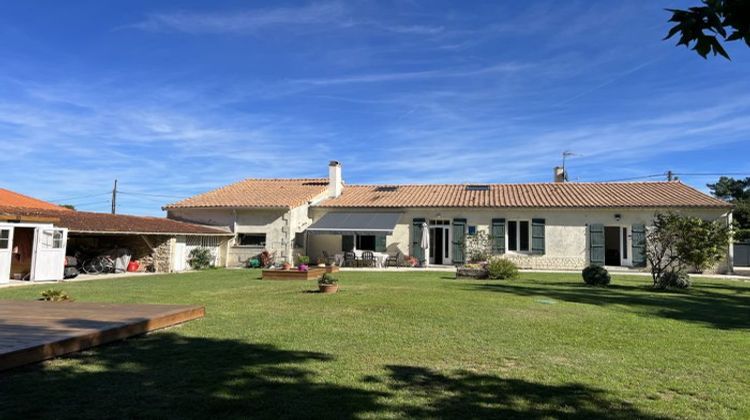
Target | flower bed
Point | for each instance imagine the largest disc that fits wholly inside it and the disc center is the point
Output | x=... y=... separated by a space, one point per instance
x=313 y=273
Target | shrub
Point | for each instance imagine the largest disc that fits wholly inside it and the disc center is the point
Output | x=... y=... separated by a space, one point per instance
x=55 y=295
x=501 y=269
x=676 y=279
x=596 y=275
x=328 y=278
x=200 y=258
x=303 y=260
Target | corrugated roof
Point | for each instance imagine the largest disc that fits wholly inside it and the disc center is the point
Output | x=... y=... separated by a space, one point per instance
x=541 y=195
x=82 y=221
x=13 y=199
x=284 y=193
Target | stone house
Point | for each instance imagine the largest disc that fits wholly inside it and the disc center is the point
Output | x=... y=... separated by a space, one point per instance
x=556 y=225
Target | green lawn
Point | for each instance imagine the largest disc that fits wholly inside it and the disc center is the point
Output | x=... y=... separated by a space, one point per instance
x=400 y=345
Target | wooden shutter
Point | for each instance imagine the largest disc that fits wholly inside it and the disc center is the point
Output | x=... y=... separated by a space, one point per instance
x=638 y=238
x=347 y=243
x=596 y=244
x=416 y=239
x=380 y=243
x=459 y=235
x=537 y=236
x=498 y=236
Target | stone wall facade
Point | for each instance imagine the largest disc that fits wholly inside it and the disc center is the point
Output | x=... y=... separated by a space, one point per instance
x=566 y=230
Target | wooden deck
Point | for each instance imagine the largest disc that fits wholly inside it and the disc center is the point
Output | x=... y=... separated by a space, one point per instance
x=35 y=331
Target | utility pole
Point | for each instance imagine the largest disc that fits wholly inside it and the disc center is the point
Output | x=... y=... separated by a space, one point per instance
x=114 y=198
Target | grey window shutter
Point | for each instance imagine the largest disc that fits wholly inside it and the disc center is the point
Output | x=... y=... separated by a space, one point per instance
x=498 y=236
x=638 y=236
x=416 y=239
x=537 y=236
x=347 y=243
x=459 y=235
x=380 y=243
x=596 y=244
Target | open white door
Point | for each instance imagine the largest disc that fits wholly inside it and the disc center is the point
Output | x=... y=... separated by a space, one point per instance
x=49 y=254
x=6 y=249
x=179 y=258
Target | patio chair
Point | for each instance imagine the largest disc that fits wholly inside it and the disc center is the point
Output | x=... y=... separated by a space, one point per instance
x=368 y=259
x=350 y=260
x=393 y=260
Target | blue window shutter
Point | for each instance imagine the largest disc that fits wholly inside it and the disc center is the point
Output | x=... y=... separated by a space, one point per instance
x=638 y=238
x=380 y=243
x=416 y=239
x=498 y=236
x=596 y=244
x=347 y=243
x=537 y=236
x=459 y=235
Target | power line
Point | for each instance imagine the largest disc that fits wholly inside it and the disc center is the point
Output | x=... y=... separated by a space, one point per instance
x=150 y=194
x=635 y=178
x=677 y=174
x=78 y=197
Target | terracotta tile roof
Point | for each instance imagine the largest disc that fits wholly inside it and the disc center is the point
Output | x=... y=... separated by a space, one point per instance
x=82 y=221
x=13 y=199
x=542 y=195
x=285 y=193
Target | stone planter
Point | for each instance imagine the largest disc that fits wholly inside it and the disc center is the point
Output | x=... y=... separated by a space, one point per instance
x=328 y=288
x=471 y=273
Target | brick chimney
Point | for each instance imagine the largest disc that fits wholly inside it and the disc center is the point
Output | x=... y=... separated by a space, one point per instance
x=559 y=174
x=335 y=182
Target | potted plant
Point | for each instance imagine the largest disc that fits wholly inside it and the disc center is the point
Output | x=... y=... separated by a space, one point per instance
x=328 y=284
x=303 y=262
x=286 y=266
x=321 y=262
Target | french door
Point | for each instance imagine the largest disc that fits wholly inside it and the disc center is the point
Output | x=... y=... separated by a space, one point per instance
x=440 y=249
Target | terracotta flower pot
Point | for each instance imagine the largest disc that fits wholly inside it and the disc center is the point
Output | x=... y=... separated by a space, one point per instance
x=286 y=266
x=328 y=288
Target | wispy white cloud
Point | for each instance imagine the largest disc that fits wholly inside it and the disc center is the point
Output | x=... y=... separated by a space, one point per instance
x=242 y=21
x=498 y=68
x=324 y=15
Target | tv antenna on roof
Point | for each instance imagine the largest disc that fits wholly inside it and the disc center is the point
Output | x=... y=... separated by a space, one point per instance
x=566 y=154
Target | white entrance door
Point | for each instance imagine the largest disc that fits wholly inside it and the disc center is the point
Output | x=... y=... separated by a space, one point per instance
x=179 y=259
x=48 y=262
x=6 y=249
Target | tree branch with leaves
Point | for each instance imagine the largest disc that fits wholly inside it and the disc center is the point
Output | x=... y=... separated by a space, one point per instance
x=703 y=25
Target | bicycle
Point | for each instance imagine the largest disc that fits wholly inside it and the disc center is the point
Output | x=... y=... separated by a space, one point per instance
x=99 y=265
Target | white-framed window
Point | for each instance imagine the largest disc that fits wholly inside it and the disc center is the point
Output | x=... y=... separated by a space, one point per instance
x=251 y=239
x=519 y=235
x=57 y=239
x=4 y=238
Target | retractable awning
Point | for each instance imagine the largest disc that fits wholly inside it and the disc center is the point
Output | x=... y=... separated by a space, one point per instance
x=355 y=223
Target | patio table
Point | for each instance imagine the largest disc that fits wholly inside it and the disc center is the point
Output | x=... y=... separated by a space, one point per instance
x=380 y=257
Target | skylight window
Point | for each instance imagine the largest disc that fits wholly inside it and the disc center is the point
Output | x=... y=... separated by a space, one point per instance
x=477 y=188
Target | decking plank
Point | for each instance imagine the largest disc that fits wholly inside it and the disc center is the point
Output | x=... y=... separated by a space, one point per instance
x=35 y=331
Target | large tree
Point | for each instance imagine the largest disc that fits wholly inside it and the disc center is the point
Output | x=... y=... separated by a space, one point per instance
x=701 y=25
x=737 y=192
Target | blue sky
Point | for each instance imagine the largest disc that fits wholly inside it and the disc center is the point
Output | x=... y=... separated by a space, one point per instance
x=175 y=98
